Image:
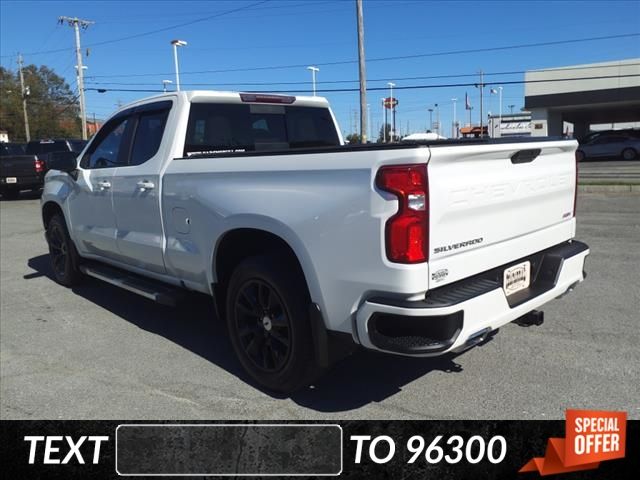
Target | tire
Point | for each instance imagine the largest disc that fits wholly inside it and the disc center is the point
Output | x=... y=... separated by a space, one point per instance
x=268 y=323
x=64 y=257
x=11 y=194
x=580 y=156
x=629 y=154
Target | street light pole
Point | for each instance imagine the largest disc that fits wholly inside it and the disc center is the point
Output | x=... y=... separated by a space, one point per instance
x=481 y=105
x=430 y=119
x=500 y=101
x=313 y=77
x=437 y=119
x=454 y=133
x=369 y=122
x=176 y=44
x=164 y=85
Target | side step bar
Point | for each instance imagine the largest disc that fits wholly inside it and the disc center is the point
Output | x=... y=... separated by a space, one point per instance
x=151 y=289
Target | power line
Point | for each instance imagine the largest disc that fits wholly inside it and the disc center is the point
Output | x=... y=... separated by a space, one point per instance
x=158 y=30
x=384 y=59
x=408 y=87
x=429 y=77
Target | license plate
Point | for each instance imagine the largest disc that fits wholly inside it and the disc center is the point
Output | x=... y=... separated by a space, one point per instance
x=516 y=278
x=11 y=180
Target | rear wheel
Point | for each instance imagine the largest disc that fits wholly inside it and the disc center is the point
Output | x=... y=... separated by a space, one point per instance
x=62 y=252
x=629 y=154
x=267 y=318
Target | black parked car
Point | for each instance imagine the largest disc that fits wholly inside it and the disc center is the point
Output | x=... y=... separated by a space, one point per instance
x=25 y=169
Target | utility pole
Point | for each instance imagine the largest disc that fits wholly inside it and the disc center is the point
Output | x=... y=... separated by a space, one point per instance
x=454 y=130
x=24 y=91
x=78 y=23
x=481 y=106
x=384 y=122
x=363 y=74
x=392 y=134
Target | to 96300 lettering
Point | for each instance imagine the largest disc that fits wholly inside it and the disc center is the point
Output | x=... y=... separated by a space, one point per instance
x=452 y=450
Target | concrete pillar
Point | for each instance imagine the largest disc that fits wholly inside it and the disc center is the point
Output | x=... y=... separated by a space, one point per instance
x=545 y=123
x=580 y=129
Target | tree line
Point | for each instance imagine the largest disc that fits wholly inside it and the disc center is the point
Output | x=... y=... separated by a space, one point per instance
x=52 y=106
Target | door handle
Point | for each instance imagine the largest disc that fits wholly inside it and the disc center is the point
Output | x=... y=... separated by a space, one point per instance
x=104 y=185
x=144 y=185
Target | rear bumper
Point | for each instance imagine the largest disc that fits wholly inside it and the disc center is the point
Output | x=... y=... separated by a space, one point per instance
x=458 y=315
x=22 y=183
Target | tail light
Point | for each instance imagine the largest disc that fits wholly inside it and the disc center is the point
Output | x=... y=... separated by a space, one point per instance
x=39 y=166
x=407 y=232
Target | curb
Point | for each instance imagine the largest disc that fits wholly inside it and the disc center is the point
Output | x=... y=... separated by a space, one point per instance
x=589 y=188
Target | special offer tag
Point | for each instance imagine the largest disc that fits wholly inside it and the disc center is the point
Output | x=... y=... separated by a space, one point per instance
x=592 y=436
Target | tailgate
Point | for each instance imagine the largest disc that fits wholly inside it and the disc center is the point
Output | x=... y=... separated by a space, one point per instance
x=17 y=166
x=498 y=201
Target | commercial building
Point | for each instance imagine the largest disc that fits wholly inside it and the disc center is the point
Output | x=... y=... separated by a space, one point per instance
x=583 y=95
x=510 y=125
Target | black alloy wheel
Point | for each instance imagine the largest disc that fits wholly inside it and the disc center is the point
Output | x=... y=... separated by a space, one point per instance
x=58 y=250
x=62 y=252
x=264 y=326
x=267 y=310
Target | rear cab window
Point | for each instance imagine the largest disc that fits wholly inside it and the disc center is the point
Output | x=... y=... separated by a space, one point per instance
x=46 y=146
x=230 y=128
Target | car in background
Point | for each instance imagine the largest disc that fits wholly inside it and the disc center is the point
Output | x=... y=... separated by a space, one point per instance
x=11 y=149
x=623 y=144
x=25 y=169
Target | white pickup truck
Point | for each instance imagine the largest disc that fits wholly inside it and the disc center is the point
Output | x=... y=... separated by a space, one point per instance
x=310 y=247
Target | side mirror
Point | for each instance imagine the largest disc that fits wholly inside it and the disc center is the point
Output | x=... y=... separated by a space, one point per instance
x=64 y=161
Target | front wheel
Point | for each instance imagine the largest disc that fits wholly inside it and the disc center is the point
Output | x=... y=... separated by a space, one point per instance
x=267 y=318
x=629 y=154
x=62 y=252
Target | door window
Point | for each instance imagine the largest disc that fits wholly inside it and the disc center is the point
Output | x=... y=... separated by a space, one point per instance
x=148 y=136
x=107 y=151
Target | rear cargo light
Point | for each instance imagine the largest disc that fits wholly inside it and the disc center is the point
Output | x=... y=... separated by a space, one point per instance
x=39 y=166
x=575 y=191
x=407 y=232
x=265 y=98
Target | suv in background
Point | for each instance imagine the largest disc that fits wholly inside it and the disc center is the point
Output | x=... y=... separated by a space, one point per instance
x=624 y=144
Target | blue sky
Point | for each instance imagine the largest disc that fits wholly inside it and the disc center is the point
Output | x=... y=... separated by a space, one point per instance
x=309 y=32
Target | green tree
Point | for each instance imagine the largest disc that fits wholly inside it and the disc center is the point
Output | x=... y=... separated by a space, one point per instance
x=51 y=105
x=385 y=132
x=354 y=138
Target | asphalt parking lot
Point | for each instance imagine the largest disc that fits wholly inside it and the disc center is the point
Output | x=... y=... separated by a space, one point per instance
x=98 y=352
